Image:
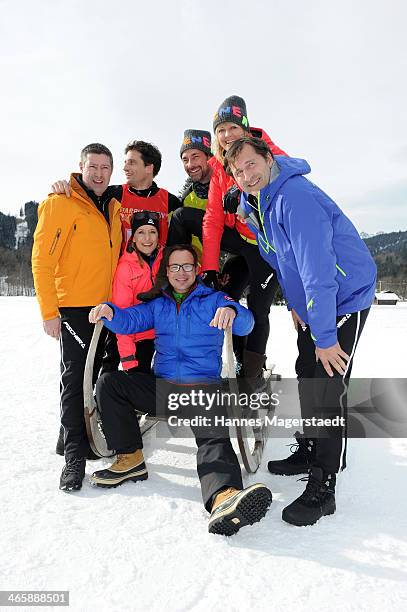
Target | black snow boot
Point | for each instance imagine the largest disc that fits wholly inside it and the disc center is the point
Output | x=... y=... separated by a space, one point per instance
x=60 y=447
x=299 y=462
x=73 y=474
x=317 y=500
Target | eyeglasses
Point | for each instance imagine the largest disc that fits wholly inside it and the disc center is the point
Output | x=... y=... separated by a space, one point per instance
x=146 y=214
x=187 y=267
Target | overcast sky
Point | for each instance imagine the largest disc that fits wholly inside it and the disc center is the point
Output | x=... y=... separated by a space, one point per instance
x=325 y=78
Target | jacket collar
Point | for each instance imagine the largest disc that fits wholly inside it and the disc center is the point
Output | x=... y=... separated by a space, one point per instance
x=199 y=289
x=287 y=167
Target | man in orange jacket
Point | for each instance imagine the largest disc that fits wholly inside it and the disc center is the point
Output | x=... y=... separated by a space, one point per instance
x=75 y=253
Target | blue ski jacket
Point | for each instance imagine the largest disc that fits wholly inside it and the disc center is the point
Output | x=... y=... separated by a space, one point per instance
x=324 y=268
x=187 y=349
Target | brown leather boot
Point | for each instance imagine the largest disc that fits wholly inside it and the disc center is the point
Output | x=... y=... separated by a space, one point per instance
x=128 y=466
x=233 y=509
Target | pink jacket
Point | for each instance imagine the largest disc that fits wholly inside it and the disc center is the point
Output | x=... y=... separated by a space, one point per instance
x=133 y=276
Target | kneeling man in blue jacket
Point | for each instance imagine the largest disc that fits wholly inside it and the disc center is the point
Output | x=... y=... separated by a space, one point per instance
x=328 y=279
x=189 y=320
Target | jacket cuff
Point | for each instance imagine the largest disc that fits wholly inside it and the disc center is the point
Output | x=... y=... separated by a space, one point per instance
x=129 y=362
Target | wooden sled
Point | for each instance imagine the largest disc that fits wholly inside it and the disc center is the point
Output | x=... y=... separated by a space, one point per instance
x=94 y=430
x=251 y=440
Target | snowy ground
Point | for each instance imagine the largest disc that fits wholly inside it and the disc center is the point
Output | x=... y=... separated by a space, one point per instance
x=145 y=546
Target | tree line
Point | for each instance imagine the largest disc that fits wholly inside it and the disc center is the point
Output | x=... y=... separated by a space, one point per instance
x=388 y=250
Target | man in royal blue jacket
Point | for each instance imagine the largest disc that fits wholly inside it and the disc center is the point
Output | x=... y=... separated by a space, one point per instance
x=328 y=278
x=189 y=321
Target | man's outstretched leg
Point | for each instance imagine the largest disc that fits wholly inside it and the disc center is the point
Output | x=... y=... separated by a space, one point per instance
x=230 y=505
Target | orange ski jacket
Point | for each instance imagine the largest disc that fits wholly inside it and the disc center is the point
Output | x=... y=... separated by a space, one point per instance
x=75 y=251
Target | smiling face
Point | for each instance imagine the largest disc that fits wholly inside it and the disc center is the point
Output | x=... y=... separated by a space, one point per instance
x=196 y=165
x=96 y=172
x=138 y=175
x=251 y=170
x=145 y=239
x=181 y=281
x=227 y=133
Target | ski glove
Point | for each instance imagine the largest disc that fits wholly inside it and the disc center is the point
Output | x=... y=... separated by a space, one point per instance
x=210 y=278
x=231 y=200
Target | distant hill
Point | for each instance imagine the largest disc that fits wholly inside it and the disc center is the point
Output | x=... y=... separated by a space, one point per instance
x=390 y=254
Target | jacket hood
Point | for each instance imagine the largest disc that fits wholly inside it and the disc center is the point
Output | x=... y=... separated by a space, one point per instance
x=289 y=167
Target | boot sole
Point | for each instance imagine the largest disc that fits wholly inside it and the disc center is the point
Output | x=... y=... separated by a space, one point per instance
x=247 y=510
x=112 y=483
x=302 y=470
x=71 y=488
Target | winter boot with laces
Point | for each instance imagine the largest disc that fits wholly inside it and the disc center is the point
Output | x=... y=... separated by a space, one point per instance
x=233 y=509
x=317 y=500
x=128 y=466
x=299 y=462
x=73 y=474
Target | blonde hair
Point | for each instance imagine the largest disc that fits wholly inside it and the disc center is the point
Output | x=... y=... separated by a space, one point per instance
x=217 y=149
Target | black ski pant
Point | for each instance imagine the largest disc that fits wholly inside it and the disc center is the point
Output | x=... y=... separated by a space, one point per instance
x=76 y=334
x=262 y=279
x=121 y=397
x=324 y=397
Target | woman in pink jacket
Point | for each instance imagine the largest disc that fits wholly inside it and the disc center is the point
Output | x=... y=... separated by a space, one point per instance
x=136 y=272
x=223 y=229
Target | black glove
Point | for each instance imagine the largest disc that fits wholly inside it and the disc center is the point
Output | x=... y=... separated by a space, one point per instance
x=231 y=200
x=210 y=278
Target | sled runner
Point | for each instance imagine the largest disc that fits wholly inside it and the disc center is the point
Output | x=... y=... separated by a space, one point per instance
x=251 y=440
x=93 y=419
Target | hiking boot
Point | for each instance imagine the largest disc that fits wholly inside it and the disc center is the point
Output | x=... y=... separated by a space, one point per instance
x=233 y=509
x=73 y=474
x=60 y=447
x=317 y=500
x=128 y=466
x=299 y=462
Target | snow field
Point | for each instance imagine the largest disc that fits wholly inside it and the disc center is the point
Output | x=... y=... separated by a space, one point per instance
x=145 y=546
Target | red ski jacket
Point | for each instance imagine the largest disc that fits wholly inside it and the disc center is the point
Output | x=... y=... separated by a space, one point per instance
x=215 y=218
x=133 y=276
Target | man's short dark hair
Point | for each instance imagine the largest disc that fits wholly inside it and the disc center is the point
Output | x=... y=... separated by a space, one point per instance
x=98 y=149
x=180 y=247
x=259 y=145
x=149 y=154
